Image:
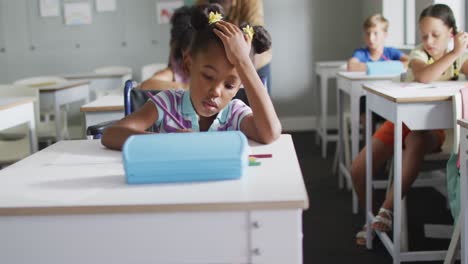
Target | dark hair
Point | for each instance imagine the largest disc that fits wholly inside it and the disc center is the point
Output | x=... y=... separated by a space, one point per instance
x=181 y=31
x=442 y=12
x=204 y=34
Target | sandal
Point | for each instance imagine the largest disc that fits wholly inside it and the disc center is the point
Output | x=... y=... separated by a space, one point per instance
x=383 y=221
x=361 y=236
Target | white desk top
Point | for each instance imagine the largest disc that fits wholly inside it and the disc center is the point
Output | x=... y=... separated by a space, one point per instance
x=330 y=64
x=50 y=87
x=83 y=177
x=94 y=75
x=106 y=103
x=10 y=102
x=414 y=92
x=357 y=76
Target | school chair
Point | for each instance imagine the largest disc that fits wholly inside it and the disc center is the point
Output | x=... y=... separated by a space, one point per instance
x=460 y=110
x=133 y=100
x=150 y=69
x=45 y=124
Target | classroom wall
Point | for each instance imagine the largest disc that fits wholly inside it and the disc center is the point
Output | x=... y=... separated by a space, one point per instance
x=303 y=32
x=336 y=32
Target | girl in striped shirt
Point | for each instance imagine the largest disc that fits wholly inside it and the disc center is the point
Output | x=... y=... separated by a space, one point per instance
x=219 y=61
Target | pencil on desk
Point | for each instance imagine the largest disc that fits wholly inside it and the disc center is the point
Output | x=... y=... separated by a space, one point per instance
x=151 y=96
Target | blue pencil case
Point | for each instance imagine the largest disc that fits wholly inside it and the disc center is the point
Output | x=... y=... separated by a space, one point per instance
x=384 y=68
x=185 y=157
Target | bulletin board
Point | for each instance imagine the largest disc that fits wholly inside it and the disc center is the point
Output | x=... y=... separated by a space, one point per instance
x=107 y=29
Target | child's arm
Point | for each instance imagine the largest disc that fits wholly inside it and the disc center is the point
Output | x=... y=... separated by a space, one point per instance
x=464 y=68
x=355 y=65
x=427 y=73
x=114 y=136
x=162 y=80
x=263 y=124
x=404 y=59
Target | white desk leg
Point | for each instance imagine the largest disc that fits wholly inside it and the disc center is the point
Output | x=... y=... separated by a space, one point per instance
x=354 y=136
x=368 y=178
x=464 y=193
x=398 y=150
x=32 y=130
x=339 y=142
x=58 y=118
x=323 y=118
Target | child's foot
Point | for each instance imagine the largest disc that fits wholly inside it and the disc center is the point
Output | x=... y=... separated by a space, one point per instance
x=383 y=221
x=361 y=236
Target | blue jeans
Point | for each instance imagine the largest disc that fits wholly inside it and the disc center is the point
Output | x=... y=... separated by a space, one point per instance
x=265 y=75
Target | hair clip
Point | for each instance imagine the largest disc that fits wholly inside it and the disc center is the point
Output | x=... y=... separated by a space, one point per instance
x=249 y=31
x=214 y=17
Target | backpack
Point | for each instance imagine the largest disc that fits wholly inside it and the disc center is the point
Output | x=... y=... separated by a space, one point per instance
x=460 y=110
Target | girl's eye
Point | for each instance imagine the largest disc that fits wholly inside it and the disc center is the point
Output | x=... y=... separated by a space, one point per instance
x=229 y=86
x=208 y=77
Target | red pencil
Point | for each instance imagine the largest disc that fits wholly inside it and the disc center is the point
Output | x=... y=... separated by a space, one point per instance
x=260 y=156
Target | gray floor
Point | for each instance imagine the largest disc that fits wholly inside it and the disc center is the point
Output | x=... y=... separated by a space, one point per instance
x=329 y=225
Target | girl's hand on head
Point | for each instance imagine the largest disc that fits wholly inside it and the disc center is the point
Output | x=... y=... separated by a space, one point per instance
x=236 y=44
x=460 y=43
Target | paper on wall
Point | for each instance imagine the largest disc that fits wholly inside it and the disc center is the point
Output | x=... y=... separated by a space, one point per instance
x=49 y=8
x=78 y=13
x=106 y=5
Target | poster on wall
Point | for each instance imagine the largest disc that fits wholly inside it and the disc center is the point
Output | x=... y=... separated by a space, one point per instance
x=77 y=13
x=106 y=5
x=165 y=9
x=49 y=8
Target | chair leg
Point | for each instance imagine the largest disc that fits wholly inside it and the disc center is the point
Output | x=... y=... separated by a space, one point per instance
x=335 y=160
x=454 y=247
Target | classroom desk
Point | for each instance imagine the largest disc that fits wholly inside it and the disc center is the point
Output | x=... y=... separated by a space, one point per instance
x=420 y=107
x=19 y=110
x=350 y=83
x=60 y=94
x=102 y=83
x=106 y=108
x=69 y=203
x=325 y=70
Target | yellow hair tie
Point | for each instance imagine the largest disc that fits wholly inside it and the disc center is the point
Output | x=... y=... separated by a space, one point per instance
x=249 y=31
x=214 y=17
x=456 y=72
x=430 y=61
